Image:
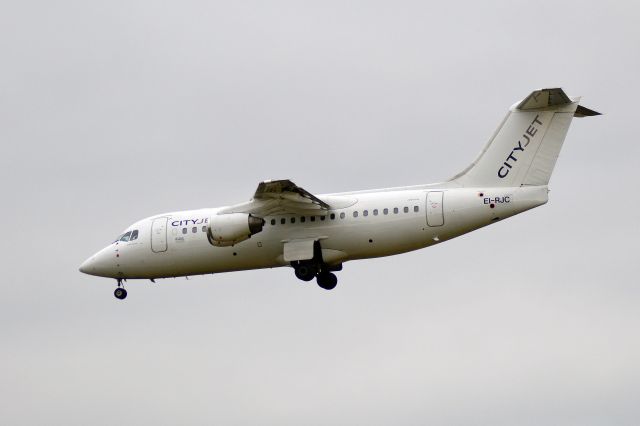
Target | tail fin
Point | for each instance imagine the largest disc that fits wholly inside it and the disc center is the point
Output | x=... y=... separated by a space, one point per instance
x=524 y=149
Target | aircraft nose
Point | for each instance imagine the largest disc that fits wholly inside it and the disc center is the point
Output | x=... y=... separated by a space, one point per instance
x=86 y=265
x=101 y=264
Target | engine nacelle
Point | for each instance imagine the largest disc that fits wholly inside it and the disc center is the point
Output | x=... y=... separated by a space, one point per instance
x=229 y=229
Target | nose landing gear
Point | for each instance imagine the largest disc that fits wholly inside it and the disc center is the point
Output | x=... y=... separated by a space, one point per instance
x=120 y=292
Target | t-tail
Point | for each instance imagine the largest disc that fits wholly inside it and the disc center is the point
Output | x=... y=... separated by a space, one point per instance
x=524 y=149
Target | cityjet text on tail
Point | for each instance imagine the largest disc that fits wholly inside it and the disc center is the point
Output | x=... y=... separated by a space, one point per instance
x=285 y=225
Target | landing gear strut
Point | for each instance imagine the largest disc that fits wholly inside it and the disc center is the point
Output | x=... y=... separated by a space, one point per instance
x=120 y=292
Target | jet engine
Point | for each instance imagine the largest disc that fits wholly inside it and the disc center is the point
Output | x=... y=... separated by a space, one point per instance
x=229 y=229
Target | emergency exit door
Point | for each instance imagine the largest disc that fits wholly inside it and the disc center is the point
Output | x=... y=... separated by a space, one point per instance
x=159 y=235
x=435 y=213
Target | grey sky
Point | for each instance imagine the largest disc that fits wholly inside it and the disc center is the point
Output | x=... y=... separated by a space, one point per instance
x=113 y=111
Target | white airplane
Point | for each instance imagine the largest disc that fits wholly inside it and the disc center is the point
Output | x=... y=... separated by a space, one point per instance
x=284 y=225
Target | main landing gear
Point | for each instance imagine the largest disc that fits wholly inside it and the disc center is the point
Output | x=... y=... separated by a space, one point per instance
x=306 y=270
x=120 y=292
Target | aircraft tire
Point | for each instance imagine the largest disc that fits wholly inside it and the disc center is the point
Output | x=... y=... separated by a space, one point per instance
x=305 y=273
x=120 y=293
x=327 y=280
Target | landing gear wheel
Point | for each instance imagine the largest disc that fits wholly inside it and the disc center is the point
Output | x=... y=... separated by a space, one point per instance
x=327 y=280
x=305 y=272
x=120 y=293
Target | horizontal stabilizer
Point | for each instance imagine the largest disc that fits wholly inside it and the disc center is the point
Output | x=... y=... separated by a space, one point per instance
x=585 y=112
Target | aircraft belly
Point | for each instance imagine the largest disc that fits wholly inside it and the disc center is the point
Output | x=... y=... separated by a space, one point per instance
x=206 y=259
x=377 y=238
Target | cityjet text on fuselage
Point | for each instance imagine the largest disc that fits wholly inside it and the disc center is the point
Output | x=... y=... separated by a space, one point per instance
x=187 y=222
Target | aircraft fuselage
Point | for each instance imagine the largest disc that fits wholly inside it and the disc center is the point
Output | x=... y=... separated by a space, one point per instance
x=378 y=223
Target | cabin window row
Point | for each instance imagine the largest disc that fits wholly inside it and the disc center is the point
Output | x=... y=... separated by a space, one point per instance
x=194 y=230
x=342 y=215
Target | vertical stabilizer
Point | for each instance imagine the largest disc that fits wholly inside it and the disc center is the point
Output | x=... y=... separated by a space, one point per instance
x=524 y=149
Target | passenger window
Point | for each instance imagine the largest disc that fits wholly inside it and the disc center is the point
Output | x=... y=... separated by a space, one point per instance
x=204 y=229
x=273 y=222
x=194 y=229
x=323 y=217
x=293 y=220
x=312 y=218
x=134 y=235
x=283 y=221
x=342 y=215
x=375 y=212
x=355 y=213
x=385 y=211
x=395 y=210
x=303 y=219
x=416 y=209
x=332 y=216
x=125 y=237
x=184 y=230
x=406 y=209
x=365 y=213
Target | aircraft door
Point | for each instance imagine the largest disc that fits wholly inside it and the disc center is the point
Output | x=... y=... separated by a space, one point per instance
x=159 y=235
x=435 y=213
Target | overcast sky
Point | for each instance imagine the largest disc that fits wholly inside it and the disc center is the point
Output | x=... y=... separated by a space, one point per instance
x=114 y=111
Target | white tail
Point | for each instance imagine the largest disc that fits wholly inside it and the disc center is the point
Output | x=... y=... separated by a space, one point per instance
x=524 y=149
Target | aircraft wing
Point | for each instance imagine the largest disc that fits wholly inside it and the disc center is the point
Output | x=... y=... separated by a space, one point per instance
x=274 y=197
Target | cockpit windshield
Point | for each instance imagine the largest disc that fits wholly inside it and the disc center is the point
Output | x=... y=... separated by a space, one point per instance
x=129 y=236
